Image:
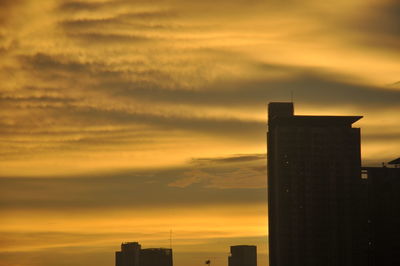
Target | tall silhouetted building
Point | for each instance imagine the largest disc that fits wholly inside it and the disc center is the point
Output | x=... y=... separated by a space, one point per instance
x=315 y=193
x=243 y=255
x=131 y=254
x=384 y=214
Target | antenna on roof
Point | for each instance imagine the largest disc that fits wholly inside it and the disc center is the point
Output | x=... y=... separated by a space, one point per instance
x=170 y=239
x=291 y=96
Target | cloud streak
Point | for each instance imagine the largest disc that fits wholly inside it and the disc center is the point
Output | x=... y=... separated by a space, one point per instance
x=143 y=189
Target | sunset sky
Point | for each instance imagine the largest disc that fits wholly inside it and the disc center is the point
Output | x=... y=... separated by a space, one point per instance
x=122 y=120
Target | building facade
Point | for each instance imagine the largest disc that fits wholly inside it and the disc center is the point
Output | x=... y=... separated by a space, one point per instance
x=315 y=191
x=243 y=255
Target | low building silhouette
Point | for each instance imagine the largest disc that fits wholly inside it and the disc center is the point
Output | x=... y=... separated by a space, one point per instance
x=129 y=254
x=243 y=255
x=156 y=257
x=132 y=254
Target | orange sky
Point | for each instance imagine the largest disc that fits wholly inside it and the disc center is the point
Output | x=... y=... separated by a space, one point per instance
x=121 y=120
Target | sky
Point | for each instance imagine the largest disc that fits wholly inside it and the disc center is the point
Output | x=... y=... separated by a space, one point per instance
x=126 y=120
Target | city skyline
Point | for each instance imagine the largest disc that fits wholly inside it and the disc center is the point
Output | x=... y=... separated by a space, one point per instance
x=128 y=119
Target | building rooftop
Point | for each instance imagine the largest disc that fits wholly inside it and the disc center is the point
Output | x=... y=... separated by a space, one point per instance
x=315 y=120
x=282 y=113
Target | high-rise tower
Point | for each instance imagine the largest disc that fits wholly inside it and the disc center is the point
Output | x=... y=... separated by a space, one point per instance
x=315 y=190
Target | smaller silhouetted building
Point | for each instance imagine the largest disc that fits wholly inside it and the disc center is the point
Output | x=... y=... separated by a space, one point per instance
x=243 y=255
x=384 y=214
x=129 y=254
x=132 y=254
x=156 y=257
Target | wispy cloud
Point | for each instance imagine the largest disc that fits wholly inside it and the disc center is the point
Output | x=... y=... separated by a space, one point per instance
x=232 y=159
x=143 y=188
x=235 y=172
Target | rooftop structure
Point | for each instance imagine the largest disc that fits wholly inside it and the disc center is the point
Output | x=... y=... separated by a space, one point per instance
x=395 y=162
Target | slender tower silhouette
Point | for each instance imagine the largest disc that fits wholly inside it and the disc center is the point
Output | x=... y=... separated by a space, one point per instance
x=314 y=189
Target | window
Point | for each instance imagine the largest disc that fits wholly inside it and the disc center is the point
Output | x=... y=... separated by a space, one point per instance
x=364 y=174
